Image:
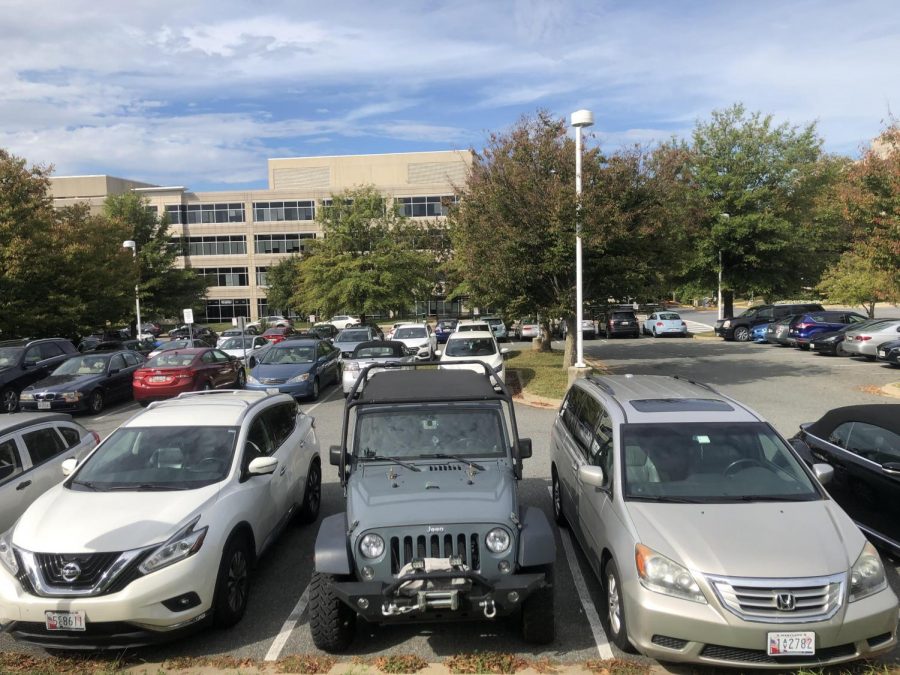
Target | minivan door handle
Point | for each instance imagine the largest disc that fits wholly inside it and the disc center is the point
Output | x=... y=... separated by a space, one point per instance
x=24 y=484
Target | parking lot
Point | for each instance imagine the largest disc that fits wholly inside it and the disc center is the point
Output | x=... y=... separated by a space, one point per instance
x=784 y=385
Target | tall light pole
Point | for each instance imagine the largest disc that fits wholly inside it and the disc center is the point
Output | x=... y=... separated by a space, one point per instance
x=580 y=118
x=137 y=298
x=720 y=310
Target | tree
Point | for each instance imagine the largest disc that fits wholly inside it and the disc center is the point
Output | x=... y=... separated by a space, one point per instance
x=281 y=281
x=164 y=289
x=367 y=260
x=858 y=280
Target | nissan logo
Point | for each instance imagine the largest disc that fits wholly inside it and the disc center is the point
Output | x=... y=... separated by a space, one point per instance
x=70 y=571
x=785 y=602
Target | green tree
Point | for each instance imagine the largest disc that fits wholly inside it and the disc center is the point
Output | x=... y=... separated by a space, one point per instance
x=281 y=280
x=857 y=279
x=368 y=261
x=164 y=289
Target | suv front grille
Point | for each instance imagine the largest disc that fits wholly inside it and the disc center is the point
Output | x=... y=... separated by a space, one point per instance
x=781 y=600
x=405 y=549
x=92 y=566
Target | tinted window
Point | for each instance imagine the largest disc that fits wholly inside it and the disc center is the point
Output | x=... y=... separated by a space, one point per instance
x=43 y=444
x=208 y=357
x=9 y=356
x=669 y=316
x=874 y=443
x=71 y=435
x=117 y=362
x=10 y=464
x=171 y=360
x=133 y=359
x=83 y=365
x=354 y=336
x=840 y=435
x=281 y=420
x=378 y=352
x=49 y=350
x=33 y=355
x=601 y=453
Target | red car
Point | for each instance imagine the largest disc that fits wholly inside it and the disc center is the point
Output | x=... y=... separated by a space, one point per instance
x=277 y=334
x=173 y=372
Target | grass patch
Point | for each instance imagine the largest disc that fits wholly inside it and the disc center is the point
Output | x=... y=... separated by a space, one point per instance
x=307 y=664
x=541 y=373
x=400 y=663
x=485 y=662
x=861 y=668
x=617 y=667
x=16 y=662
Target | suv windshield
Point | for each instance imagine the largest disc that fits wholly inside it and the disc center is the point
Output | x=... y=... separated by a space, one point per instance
x=289 y=355
x=470 y=347
x=353 y=336
x=429 y=432
x=158 y=458
x=9 y=356
x=711 y=462
x=84 y=365
x=411 y=332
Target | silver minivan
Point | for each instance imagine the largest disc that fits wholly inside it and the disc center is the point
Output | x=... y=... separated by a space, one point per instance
x=712 y=541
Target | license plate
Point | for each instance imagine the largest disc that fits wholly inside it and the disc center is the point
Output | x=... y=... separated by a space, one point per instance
x=158 y=378
x=64 y=620
x=787 y=644
x=43 y=405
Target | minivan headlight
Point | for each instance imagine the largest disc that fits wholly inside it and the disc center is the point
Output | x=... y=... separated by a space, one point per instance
x=497 y=540
x=866 y=575
x=183 y=544
x=663 y=575
x=371 y=546
x=7 y=554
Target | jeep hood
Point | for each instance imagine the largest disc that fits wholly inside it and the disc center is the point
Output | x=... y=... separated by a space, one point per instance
x=432 y=496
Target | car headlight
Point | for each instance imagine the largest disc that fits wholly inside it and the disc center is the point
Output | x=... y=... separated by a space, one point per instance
x=72 y=396
x=25 y=396
x=351 y=366
x=252 y=380
x=299 y=378
x=497 y=540
x=866 y=575
x=7 y=555
x=726 y=324
x=183 y=544
x=660 y=574
x=371 y=546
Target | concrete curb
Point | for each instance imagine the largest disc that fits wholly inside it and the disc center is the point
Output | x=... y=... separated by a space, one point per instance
x=531 y=400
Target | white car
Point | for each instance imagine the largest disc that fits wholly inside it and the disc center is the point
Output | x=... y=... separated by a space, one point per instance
x=157 y=530
x=474 y=346
x=237 y=346
x=419 y=338
x=865 y=342
x=341 y=321
x=664 y=323
x=368 y=354
x=276 y=321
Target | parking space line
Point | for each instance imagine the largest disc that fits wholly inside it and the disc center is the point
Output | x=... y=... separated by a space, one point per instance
x=129 y=408
x=288 y=627
x=315 y=405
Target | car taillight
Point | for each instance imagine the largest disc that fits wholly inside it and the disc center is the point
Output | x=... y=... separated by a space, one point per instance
x=863 y=338
x=183 y=374
x=659 y=323
x=96 y=437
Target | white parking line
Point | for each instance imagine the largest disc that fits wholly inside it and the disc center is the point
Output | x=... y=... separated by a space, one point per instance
x=282 y=637
x=584 y=596
x=129 y=408
x=697 y=327
x=330 y=396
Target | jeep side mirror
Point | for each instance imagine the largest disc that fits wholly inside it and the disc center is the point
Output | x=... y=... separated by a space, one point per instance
x=524 y=448
x=334 y=455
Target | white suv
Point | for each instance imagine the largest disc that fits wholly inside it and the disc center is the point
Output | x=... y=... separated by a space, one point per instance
x=156 y=531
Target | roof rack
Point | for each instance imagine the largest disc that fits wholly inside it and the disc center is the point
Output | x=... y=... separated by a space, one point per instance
x=214 y=392
x=694 y=382
x=605 y=386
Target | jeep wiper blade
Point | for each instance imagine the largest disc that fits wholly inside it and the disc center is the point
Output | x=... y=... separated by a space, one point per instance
x=395 y=460
x=457 y=458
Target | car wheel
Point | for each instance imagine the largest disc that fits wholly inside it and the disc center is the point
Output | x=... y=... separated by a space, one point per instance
x=233 y=583
x=331 y=622
x=869 y=358
x=741 y=334
x=241 y=379
x=314 y=394
x=9 y=400
x=312 y=495
x=615 y=608
x=538 y=612
x=558 y=514
x=805 y=347
x=95 y=402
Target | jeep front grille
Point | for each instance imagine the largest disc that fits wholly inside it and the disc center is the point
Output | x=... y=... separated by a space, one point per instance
x=405 y=549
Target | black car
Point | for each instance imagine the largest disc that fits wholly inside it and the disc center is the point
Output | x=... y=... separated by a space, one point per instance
x=862 y=444
x=324 y=331
x=142 y=347
x=200 y=332
x=738 y=328
x=889 y=352
x=619 y=322
x=25 y=361
x=84 y=383
x=830 y=343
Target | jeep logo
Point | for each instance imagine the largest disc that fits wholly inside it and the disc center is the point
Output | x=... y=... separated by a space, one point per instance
x=431 y=529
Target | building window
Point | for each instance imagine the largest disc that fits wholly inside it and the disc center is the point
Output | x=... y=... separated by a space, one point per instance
x=227 y=244
x=263 y=309
x=193 y=214
x=224 y=276
x=281 y=243
x=421 y=207
x=219 y=311
x=264 y=212
x=152 y=208
x=261 y=276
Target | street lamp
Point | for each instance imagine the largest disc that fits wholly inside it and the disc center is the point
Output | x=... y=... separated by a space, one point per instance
x=137 y=298
x=580 y=118
x=720 y=310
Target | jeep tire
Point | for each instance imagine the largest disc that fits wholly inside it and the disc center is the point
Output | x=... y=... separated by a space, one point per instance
x=331 y=622
x=538 y=613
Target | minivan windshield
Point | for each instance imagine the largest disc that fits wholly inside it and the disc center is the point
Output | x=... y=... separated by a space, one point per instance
x=158 y=458
x=711 y=463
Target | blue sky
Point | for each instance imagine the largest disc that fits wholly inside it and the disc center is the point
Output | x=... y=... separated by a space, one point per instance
x=202 y=93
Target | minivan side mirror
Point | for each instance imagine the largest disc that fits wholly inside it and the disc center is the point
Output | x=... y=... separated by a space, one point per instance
x=68 y=466
x=592 y=475
x=525 y=450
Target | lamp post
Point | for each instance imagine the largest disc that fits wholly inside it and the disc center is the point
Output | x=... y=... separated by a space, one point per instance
x=580 y=118
x=720 y=310
x=137 y=298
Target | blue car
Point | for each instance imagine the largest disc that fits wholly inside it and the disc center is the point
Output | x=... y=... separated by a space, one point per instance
x=444 y=328
x=810 y=325
x=299 y=367
x=758 y=332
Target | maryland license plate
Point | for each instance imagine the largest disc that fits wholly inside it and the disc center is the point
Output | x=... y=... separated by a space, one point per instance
x=74 y=620
x=43 y=405
x=792 y=644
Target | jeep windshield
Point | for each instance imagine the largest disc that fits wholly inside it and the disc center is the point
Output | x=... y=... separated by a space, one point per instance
x=711 y=463
x=423 y=432
x=158 y=458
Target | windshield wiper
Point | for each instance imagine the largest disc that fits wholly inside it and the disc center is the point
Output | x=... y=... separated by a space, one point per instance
x=88 y=484
x=144 y=487
x=772 y=498
x=668 y=500
x=457 y=458
x=395 y=460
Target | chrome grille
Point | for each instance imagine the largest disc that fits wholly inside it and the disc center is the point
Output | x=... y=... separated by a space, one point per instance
x=443 y=545
x=46 y=396
x=781 y=600
x=92 y=566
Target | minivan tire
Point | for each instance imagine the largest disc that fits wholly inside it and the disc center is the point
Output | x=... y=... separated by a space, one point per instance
x=556 y=496
x=331 y=622
x=612 y=588
x=538 y=613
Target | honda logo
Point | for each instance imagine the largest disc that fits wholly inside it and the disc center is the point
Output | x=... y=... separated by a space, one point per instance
x=785 y=602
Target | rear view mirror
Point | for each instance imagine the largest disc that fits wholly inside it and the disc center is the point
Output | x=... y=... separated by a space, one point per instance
x=823 y=472
x=68 y=466
x=525 y=448
x=262 y=465
x=592 y=475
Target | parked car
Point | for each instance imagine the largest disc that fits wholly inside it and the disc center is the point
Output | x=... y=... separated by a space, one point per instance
x=811 y=324
x=181 y=370
x=23 y=362
x=85 y=383
x=185 y=343
x=889 y=352
x=298 y=366
x=230 y=333
x=274 y=321
x=142 y=347
x=758 y=333
x=390 y=334
x=451 y=541
x=469 y=325
x=497 y=327
x=738 y=328
x=341 y=321
x=326 y=331
x=31 y=446
x=779 y=332
x=527 y=329
x=665 y=323
x=239 y=346
x=830 y=343
x=862 y=444
x=278 y=333
x=155 y=534
x=372 y=353
x=474 y=348
x=348 y=338
x=443 y=328
x=865 y=341
x=588 y=329
x=620 y=322
x=713 y=541
x=419 y=338
x=196 y=332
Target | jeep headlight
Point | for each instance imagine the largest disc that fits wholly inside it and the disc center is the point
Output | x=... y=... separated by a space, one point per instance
x=663 y=575
x=7 y=555
x=497 y=540
x=866 y=575
x=299 y=378
x=371 y=546
x=183 y=544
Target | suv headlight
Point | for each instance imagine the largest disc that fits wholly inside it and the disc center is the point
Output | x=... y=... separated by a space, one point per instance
x=183 y=544
x=866 y=575
x=371 y=546
x=497 y=540
x=7 y=554
x=299 y=378
x=658 y=573
x=726 y=323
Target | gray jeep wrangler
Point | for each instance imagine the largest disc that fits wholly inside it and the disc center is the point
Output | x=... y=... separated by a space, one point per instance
x=433 y=530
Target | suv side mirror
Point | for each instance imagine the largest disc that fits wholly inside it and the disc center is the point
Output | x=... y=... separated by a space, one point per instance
x=334 y=455
x=68 y=466
x=262 y=465
x=525 y=448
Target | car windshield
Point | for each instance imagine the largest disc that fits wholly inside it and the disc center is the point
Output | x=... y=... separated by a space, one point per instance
x=352 y=336
x=669 y=316
x=175 y=344
x=158 y=458
x=494 y=322
x=83 y=365
x=471 y=327
x=170 y=359
x=9 y=356
x=711 y=462
x=410 y=332
x=290 y=355
x=481 y=346
x=379 y=352
x=236 y=343
x=423 y=433
x=446 y=324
